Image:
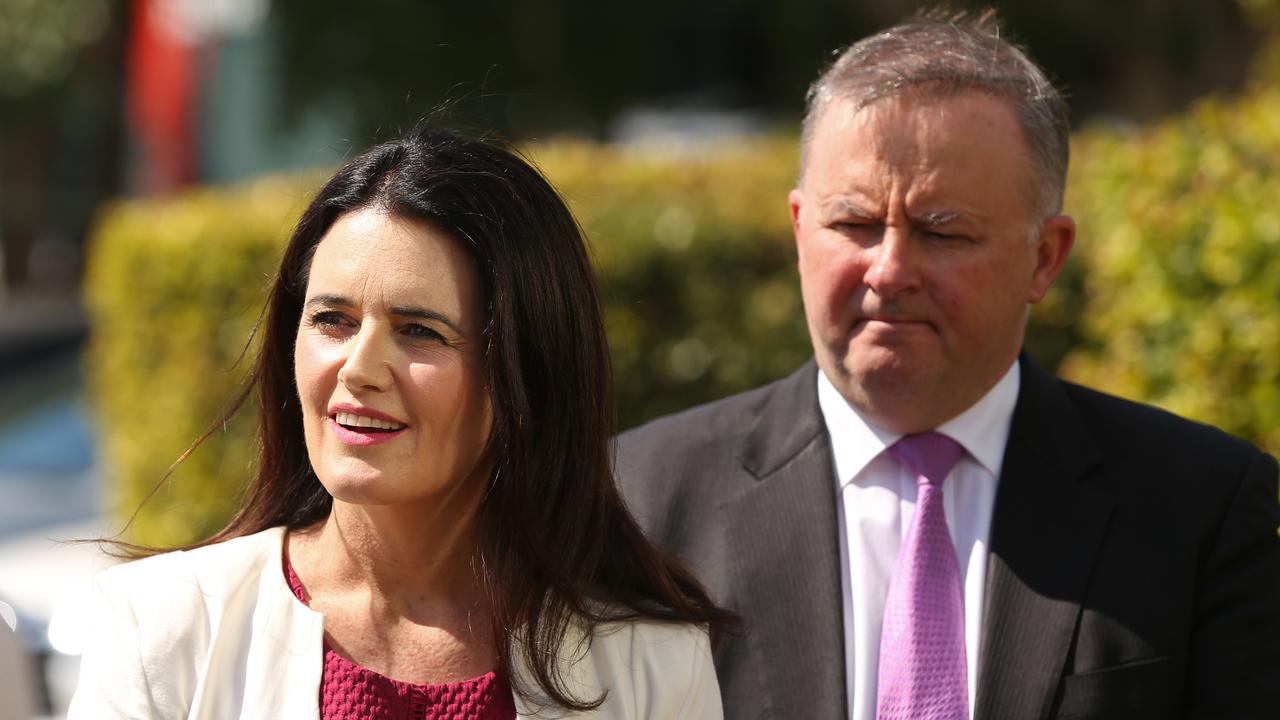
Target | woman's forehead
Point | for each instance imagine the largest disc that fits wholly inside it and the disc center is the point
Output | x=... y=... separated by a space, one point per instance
x=370 y=254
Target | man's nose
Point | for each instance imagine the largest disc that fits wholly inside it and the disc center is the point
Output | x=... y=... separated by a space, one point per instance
x=893 y=264
x=367 y=365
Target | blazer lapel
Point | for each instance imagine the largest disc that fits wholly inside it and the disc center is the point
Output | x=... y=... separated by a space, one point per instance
x=1045 y=532
x=783 y=529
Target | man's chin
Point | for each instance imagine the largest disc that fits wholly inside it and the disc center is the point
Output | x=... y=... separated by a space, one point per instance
x=882 y=378
x=905 y=361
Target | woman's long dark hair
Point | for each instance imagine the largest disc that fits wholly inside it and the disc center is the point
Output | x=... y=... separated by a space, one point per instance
x=557 y=546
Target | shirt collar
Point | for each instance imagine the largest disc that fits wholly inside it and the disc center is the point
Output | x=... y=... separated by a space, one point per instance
x=983 y=429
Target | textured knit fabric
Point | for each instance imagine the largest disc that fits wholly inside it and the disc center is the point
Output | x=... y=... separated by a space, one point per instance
x=922 y=653
x=351 y=692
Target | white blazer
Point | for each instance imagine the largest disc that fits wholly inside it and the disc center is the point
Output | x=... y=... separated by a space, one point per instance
x=216 y=633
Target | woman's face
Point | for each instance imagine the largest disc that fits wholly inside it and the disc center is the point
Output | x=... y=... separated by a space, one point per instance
x=389 y=362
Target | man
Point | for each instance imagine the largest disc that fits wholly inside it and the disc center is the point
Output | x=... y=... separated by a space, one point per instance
x=1075 y=555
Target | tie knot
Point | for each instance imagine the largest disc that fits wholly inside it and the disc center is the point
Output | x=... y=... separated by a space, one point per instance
x=929 y=455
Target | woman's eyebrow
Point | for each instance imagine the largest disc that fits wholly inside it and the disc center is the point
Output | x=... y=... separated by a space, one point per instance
x=425 y=314
x=329 y=301
x=411 y=311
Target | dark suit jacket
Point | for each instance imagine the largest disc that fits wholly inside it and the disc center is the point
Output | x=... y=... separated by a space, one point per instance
x=1134 y=568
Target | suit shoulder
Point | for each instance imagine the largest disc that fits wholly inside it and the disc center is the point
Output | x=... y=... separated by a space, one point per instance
x=674 y=470
x=1118 y=420
x=711 y=424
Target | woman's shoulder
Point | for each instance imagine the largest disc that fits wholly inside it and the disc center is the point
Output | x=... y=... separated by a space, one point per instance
x=649 y=668
x=177 y=631
x=645 y=637
x=193 y=574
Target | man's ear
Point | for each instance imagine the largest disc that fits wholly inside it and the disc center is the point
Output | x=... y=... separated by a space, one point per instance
x=795 y=199
x=1057 y=236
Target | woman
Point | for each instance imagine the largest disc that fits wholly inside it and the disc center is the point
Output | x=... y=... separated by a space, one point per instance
x=434 y=530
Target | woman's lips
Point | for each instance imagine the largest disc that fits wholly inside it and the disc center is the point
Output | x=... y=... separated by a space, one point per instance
x=362 y=437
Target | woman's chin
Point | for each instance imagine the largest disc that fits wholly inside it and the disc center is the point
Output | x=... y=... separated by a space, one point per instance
x=360 y=485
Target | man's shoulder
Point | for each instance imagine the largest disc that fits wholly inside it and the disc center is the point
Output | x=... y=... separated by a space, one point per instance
x=1117 y=420
x=1145 y=450
x=694 y=454
x=718 y=426
x=713 y=422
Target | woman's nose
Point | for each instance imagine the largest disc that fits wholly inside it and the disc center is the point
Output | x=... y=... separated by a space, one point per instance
x=366 y=366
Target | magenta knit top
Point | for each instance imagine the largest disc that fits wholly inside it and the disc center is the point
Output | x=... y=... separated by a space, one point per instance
x=351 y=692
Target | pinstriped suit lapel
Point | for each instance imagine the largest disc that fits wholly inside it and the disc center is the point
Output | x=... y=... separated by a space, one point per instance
x=1046 y=529
x=784 y=530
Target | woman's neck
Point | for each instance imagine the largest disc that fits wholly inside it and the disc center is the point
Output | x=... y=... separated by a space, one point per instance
x=396 y=587
x=410 y=560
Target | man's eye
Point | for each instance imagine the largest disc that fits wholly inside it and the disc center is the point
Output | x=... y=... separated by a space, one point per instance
x=854 y=227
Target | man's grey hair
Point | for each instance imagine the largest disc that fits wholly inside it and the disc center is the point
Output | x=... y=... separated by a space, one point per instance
x=937 y=53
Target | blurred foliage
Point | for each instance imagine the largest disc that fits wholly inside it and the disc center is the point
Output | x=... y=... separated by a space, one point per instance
x=545 y=66
x=541 y=66
x=696 y=266
x=1171 y=296
x=1179 y=252
x=174 y=288
x=41 y=39
x=1264 y=16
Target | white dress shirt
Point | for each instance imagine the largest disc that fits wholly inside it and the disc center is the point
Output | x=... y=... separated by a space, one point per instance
x=876 y=497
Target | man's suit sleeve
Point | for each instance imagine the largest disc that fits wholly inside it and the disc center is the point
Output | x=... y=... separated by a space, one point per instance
x=1234 y=667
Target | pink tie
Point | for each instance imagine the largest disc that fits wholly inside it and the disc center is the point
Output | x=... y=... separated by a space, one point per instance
x=922 y=662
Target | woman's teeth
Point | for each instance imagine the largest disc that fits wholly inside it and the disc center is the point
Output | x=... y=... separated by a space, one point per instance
x=353 y=420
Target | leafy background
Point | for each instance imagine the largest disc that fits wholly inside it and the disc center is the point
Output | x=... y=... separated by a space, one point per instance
x=1170 y=296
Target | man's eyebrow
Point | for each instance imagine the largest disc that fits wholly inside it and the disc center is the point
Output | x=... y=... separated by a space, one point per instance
x=845 y=206
x=935 y=219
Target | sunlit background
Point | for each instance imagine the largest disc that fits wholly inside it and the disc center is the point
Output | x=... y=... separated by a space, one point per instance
x=153 y=154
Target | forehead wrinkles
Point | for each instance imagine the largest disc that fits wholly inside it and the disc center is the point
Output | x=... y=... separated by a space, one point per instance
x=878 y=162
x=955 y=150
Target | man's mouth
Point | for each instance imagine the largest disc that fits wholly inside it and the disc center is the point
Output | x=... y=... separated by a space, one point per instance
x=889 y=321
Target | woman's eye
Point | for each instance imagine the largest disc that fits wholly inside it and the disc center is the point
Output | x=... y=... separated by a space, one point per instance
x=414 y=330
x=326 y=319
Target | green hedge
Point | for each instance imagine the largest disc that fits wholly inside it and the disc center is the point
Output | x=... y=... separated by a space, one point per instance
x=174 y=288
x=697 y=270
x=1179 y=249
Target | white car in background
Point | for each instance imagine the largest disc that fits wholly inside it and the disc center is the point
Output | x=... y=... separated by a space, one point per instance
x=47 y=581
x=49 y=494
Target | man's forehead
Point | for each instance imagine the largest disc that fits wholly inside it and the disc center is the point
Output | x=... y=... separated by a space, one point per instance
x=956 y=144
x=897 y=116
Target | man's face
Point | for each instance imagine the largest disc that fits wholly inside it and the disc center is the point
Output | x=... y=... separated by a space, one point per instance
x=919 y=251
